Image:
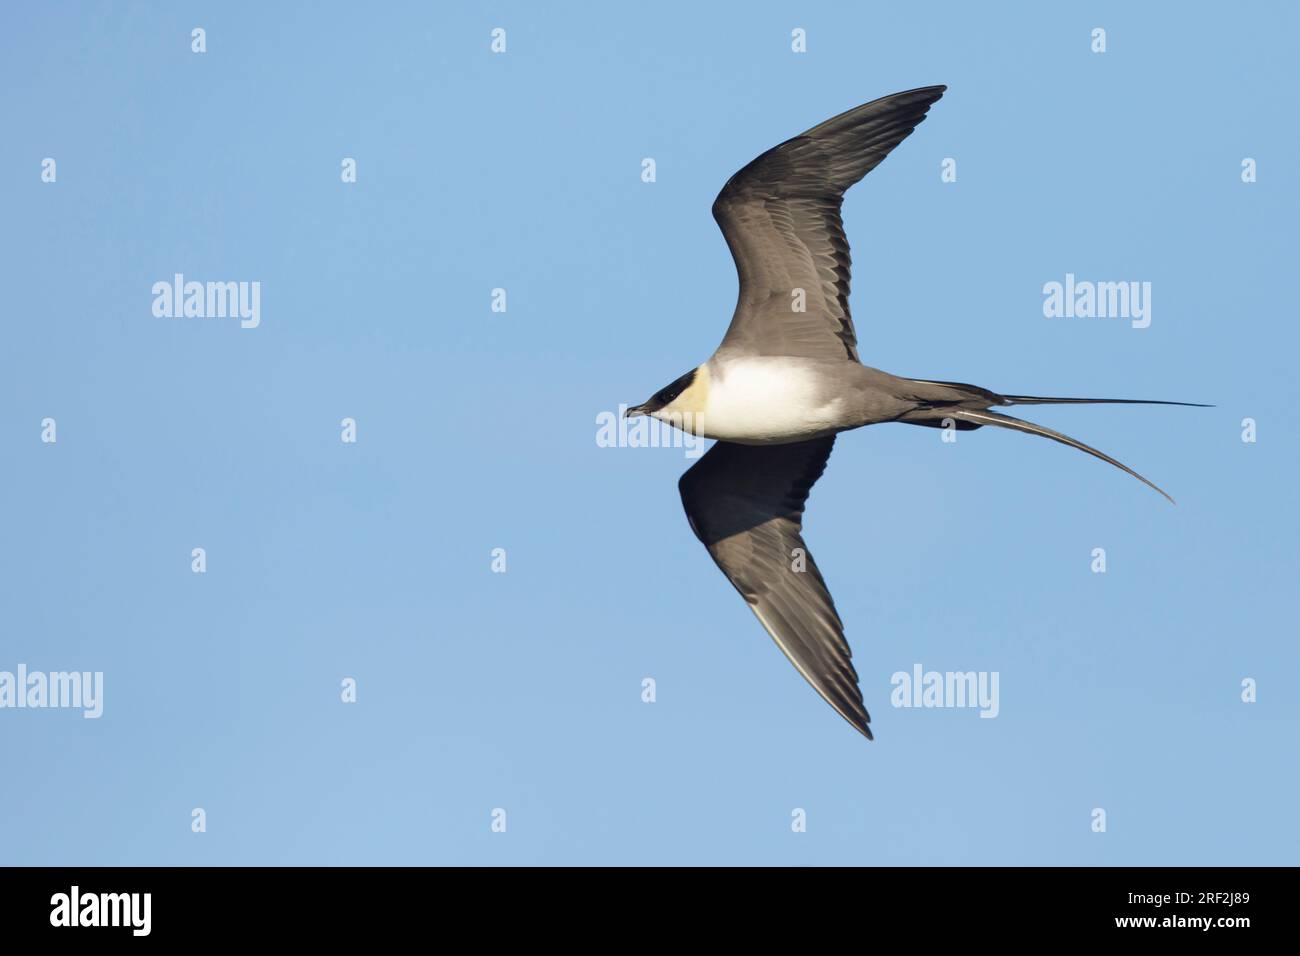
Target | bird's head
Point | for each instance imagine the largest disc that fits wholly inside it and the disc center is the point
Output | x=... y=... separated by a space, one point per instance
x=682 y=400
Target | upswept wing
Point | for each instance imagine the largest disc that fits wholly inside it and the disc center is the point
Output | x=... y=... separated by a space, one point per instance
x=781 y=218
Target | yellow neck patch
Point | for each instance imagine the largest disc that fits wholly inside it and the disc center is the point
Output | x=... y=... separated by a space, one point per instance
x=695 y=399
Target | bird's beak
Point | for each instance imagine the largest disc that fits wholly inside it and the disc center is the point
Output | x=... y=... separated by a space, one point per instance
x=634 y=411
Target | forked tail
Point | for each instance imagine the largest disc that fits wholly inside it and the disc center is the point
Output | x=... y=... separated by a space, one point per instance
x=1039 y=400
x=967 y=407
x=985 y=417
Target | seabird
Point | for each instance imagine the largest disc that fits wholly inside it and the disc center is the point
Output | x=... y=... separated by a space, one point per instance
x=787 y=379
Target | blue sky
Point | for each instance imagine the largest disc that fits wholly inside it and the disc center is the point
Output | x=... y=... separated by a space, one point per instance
x=476 y=430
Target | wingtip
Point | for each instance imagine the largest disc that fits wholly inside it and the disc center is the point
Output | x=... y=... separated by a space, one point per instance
x=932 y=93
x=863 y=726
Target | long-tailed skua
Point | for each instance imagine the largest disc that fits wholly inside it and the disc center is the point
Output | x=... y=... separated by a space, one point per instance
x=787 y=379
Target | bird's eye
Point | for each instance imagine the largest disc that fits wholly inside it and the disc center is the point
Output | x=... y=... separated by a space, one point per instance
x=669 y=392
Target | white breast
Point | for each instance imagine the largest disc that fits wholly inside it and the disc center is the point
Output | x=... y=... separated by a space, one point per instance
x=767 y=401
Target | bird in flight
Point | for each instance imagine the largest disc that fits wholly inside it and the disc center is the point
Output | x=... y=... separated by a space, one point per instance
x=787 y=379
